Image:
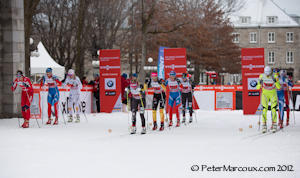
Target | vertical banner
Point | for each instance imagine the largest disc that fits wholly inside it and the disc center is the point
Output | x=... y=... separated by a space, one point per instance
x=161 y=67
x=175 y=60
x=110 y=80
x=253 y=64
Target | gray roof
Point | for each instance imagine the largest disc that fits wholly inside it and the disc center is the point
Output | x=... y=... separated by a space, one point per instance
x=258 y=11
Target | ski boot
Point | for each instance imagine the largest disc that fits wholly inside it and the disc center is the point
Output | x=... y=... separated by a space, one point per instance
x=274 y=127
x=154 y=126
x=55 y=122
x=280 y=124
x=26 y=124
x=133 y=130
x=78 y=118
x=183 y=119
x=49 y=121
x=191 y=119
x=264 y=128
x=171 y=123
x=287 y=121
x=143 y=130
x=70 y=119
x=178 y=123
x=162 y=126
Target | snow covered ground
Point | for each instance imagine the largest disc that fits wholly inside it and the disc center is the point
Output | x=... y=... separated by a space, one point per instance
x=85 y=150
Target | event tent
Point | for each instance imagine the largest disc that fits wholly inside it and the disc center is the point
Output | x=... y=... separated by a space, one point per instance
x=41 y=63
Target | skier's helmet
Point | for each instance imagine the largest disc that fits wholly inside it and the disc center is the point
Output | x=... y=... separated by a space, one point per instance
x=134 y=83
x=70 y=72
x=19 y=73
x=154 y=75
x=184 y=76
x=276 y=71
x=283 y=73
x=268 y=70
x=172 y=73
x=49 y=70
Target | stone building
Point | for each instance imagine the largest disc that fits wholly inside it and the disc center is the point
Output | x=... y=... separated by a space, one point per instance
x=12 y=55
x=263 y=24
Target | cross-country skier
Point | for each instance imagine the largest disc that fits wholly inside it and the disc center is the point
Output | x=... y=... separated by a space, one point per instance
x=53 y=94
x=173 y=84
x=75 y=87
x=269 y=83
x=137 y=94
x=187 y=96
x=287 y=82
x=159 y=98
x=26 y=97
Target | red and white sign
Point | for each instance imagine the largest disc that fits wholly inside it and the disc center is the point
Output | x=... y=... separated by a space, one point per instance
x=110 y=80
x=253 y=65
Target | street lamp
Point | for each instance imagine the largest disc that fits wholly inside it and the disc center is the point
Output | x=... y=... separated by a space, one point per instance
x=150 y=59
x=33 y=50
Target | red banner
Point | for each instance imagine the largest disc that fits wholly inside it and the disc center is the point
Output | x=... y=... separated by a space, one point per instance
x=110 y=79
x=253 y=64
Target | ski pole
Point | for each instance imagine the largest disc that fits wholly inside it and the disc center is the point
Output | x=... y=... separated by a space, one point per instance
x=165 y=109
x=83 y=113
x=293 y=105
x=128 y=112
x=33 y=110
x=144 y=110
x=194 y=106
x=58 y=105
x=17 y=108
x=146 y=104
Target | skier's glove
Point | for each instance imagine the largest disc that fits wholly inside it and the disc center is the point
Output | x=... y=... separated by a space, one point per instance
x=274 y=80
x=25 y=85
x=177 y=80
x=127 y=90
x=159 y=81
x=147 y=81
x=12 y=84
x=53 y=78
x=260 y=82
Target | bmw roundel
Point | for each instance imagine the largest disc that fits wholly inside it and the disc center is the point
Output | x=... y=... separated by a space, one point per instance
x=110 y=83
x=253 y=83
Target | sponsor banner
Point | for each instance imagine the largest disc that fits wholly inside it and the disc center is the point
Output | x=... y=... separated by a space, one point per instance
x=253 y=65
x=175 y=60
x=161 y=64
x=110 y=80
x=224 y=100
x=40 y=102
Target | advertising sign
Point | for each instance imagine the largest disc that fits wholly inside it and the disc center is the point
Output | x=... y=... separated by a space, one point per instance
x=253 y=65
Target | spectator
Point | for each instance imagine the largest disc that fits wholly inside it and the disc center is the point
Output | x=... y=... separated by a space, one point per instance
x=234 y=83
x=95 y=82
x=124 y=83
x=84 y=81
x=134 y=76
x=241 y=82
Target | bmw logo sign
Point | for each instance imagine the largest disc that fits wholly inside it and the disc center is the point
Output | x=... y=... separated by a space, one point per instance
x=253 y=83
x=110 y=83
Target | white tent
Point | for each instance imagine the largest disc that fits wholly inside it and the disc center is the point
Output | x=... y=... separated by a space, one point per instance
x=41 y=63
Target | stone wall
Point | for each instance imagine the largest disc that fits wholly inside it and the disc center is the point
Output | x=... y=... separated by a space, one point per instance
x=12 y=55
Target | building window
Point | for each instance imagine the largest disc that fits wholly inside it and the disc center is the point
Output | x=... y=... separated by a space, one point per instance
x=235 y=38
x=271 y=37
x=235 y=78
x=271 y=57
x=289 y=57
x=289 y=37
x=271 y=20
x=244 y=20
x=202 y=78
x=253 y=37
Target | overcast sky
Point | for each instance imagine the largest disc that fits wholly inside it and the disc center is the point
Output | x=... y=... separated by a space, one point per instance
x=290 y=6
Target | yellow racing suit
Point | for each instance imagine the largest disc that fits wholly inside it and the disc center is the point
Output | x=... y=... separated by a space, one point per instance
x=268 y=94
